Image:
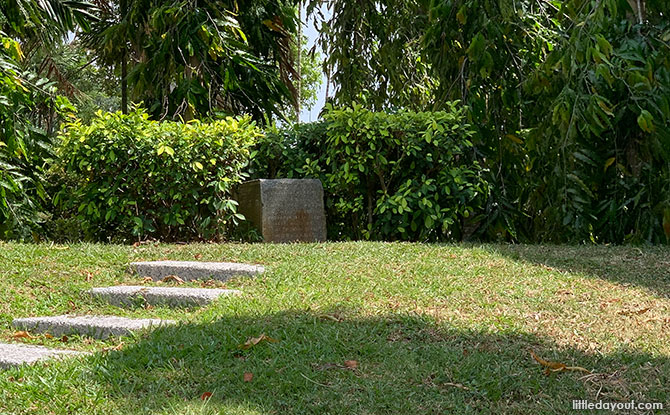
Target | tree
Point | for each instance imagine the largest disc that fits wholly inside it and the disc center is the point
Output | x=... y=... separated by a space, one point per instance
x=194 y=58
x=309 y=65
x=373 y=52
x=602 y=134
x=570 y=98
x=23 y=146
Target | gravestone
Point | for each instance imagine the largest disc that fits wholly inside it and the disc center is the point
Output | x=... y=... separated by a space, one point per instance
x=284 y=210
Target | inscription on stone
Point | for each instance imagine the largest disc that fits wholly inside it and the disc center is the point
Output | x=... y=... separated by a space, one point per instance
x=284 y=210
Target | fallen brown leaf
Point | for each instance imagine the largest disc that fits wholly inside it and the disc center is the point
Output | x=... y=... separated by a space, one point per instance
x=212 y=283
x=634 y=312
x=64 y=339
x=147 y=279
x=22 y=335
x=659 y=320
x=88 y=276
x=48 y=336
x=351 y=364
x=456 y=385
x=198 y=256
x=556 y=366
x=608 y=302
x=248 y=376
x=255 y=340
x=206 y=396
x=332 y=317
x=173 y=278
x=117 y=347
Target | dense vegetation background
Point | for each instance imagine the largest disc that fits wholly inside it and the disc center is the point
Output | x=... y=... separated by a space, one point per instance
x=526 y=120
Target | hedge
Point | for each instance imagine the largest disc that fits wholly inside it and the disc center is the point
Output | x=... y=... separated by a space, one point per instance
x=125 y=176
x=387 y=176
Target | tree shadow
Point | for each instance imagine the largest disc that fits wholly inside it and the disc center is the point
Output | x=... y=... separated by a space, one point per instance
x=647 y=267
x=403 y=364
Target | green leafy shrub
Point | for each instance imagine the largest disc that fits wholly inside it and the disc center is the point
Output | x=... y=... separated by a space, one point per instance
x=401 y=176
x=127 y=175
x=284 y=152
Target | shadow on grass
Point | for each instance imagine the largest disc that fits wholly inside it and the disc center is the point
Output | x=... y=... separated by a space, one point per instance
x=406 y=364
x=647 y=267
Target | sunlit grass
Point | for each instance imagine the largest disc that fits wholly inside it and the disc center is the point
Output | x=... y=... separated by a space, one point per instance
x=433 y=328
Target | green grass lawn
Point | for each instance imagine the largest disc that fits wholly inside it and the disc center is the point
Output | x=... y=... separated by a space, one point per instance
x=433 y=329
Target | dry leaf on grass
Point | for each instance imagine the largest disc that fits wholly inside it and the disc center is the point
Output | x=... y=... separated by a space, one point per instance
x=556 y=366
x=198 y=256
x=607 y=303
x=248 y=376
x=351 y=364
x=332 y=317
x=212 y=284
x=456 y=385
x=255 y=340
x=173 y=278
x=22 y=335
x=64 y=339
x=206 y=396
x=147 y=280
x=634 y=312
x=88 y=276
x=116 y=348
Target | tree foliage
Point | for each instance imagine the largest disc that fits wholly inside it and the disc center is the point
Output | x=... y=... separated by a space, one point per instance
x=373 y=54
x=194 y=58
x=24 y=146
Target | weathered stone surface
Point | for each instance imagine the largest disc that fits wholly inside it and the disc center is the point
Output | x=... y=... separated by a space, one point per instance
x=173 y=296
x=18 y=354
x=100 y=327
x=192 y=270
x=284 y=210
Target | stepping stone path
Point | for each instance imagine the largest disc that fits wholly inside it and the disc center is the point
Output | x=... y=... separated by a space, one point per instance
x=106 y=326
x=99 y=327
x=173 y=296
x=17 y=354
x=191 y=270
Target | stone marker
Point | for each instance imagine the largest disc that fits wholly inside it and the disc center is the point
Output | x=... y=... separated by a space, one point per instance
x=284 y=210
x=18 y=354
x=99 y=327
x=173 y=296
x=192 y=270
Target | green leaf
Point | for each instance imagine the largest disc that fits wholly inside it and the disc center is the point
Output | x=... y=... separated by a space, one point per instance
x=646 y=121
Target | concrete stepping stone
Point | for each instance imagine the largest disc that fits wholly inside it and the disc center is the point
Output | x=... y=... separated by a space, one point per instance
x=100 y=327
x=17 y=354
x=194 y=270
x=125 y=295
